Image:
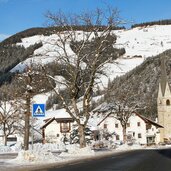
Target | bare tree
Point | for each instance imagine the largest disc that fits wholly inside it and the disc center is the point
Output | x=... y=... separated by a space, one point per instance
x=30 y=84
x=122 y=110
x=82 y=57
x=10 y=117
x=122 y=113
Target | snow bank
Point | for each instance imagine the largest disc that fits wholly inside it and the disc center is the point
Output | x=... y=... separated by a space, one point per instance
x=40 y=153
x=35 y=157
x=5 y=149
x=59 y=147
x=16 y=148
x=75 y=151
x=125 y=147
x=49 y=147
x=48 y=153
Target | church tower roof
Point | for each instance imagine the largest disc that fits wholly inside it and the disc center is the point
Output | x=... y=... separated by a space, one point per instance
x=163 y=77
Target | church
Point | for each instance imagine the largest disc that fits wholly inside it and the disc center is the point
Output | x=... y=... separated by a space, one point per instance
x=164 y=105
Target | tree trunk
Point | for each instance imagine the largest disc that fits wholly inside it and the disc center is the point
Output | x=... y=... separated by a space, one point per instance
x=124 y=134
x=27 y=124
x=82 y=136
x=5 y=135
x=5 y=140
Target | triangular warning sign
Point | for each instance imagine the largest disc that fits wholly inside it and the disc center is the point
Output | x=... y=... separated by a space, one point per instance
x=38 y=111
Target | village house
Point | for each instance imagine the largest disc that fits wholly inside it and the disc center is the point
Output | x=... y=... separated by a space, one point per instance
x=57 y=126
x=139 y=130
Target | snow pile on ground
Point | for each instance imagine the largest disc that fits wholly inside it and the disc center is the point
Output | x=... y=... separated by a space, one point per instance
x=49 y=147
x=40 y=153
x=59 y=147
x=75 y=151
x=47 y=154
x=125 y=147
x=4 y=149
x=34 y=156
x=16 y=148
x=158 y=146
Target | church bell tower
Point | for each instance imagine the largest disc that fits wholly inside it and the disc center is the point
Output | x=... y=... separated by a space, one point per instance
x=164 y=104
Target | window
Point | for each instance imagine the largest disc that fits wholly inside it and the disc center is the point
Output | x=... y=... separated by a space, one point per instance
x=128 y=124
x=138 y=124
x=116 y=125
x=129 y=137
x=139 y=136
x=11 y=138
x=117 y=137
x=133 y=134
x=105 y=126
x=65 y=127
x=168 y=102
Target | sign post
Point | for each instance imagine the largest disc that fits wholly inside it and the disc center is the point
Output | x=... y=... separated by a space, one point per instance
x=38 y=110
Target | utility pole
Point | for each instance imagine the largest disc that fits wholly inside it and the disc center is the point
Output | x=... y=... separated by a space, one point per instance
x=28 y=110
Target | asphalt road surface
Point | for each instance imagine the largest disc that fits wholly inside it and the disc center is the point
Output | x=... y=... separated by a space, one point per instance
x=139 y=160
x=8 y=156
x=4 y=157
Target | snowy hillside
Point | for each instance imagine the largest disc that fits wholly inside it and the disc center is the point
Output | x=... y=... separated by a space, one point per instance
x=139 y=43
x=145 y=41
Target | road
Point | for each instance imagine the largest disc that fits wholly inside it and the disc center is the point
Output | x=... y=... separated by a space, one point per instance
x=139 y=160
x=4 y=157
x=8 y=156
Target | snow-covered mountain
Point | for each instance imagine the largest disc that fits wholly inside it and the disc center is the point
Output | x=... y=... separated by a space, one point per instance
x=139 y=43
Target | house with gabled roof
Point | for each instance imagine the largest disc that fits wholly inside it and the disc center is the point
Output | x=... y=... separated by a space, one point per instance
x=57 y=125
x=139 y=130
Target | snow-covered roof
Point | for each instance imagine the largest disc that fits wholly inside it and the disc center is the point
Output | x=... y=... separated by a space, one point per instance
x=146 y=120
x=58 y=120
x=61 y=113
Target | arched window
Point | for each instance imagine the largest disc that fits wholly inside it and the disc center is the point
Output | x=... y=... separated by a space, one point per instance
x=168 y=102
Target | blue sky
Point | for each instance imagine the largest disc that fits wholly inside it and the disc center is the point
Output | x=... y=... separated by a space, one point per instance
x=18 y=15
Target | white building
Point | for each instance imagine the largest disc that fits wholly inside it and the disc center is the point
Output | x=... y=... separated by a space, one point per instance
x=57 y=125
x=139 y=129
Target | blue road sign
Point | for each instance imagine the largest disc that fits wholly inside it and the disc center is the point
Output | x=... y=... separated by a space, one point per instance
x=38 y=110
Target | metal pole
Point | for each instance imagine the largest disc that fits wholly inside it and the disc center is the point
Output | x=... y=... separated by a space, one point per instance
x=32 y=133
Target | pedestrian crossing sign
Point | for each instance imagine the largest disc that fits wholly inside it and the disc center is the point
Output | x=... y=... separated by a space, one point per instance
x=38 y=110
